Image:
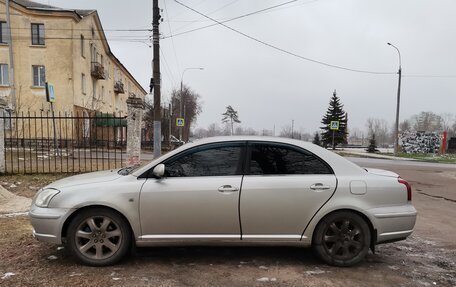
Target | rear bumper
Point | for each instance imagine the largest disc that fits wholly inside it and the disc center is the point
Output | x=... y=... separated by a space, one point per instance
x=393 y=223
x=48 y=223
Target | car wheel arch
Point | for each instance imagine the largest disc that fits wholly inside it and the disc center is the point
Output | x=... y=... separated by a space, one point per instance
x=366 y=218
x=81 y=209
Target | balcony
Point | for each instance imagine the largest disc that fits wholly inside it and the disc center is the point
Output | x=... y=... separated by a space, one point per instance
x=97 y=71
x=119 y=87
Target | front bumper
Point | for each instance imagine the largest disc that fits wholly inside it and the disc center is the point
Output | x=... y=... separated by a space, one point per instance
x=394 y=223
x=48 y=223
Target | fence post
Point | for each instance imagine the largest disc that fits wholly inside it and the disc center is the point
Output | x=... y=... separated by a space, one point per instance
x=3 y=106
x=135 y=108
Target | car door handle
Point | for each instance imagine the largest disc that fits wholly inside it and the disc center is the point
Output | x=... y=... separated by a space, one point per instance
x=319 y=186
x=227 y=188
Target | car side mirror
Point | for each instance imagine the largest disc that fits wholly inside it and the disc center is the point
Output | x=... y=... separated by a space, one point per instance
x=159 y=171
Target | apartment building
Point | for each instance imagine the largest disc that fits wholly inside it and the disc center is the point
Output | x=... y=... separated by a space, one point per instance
x=67 y=48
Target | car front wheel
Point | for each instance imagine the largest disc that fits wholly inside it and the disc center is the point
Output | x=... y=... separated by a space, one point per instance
x=341 y=238
x=99 y=237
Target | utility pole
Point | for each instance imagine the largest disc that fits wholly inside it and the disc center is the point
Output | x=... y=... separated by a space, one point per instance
x=396 y=124
x=11 y=63
x=157 y=81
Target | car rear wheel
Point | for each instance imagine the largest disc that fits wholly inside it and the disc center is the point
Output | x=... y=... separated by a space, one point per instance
x=341 y=238
x=99 y=237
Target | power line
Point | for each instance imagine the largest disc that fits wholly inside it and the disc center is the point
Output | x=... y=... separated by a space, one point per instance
x=172 y=40
x=286 y=51
x=429 y=76
x=168 y=70
x=210 y=13
x=235 y=18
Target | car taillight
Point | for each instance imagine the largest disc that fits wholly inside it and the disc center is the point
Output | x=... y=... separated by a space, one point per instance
x=409 y=188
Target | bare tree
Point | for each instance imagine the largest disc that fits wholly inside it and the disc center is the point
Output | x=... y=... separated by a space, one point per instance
x=200 y=133
x=447 y=121
x=356 y=136
x=191 y=105
x=405 y=126
x=214 y=130
x=230 y=116
x=286 y=132
x=427 y=121
x=379 y=127
x=247 y=131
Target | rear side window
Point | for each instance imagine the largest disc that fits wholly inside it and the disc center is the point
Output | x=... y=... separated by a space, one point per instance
x=206 y=161
x=282 y=159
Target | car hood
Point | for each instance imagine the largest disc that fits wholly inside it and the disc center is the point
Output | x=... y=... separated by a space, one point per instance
x=86 y=178
x=382 y=172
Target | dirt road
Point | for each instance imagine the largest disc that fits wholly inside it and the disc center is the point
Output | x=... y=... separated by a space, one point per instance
x=428 y=258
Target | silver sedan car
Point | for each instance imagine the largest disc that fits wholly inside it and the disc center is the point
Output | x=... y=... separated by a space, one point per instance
x=228 y=190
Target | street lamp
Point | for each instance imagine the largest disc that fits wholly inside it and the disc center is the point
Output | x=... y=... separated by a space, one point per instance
x=396 y=126
x=182 y=108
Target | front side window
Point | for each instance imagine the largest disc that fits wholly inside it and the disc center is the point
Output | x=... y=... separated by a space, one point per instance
x=280 y=159
x=219 y=160
x=39 y=76
x=37 y=34
x=3 y=33
x=4 y=75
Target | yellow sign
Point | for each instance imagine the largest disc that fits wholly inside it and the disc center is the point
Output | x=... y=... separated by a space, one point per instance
x=180 y=122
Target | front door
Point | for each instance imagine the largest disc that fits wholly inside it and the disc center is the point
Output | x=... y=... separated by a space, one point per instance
x=198 y=196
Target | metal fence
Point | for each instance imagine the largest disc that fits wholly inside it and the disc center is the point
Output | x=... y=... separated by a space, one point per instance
x=63 y=142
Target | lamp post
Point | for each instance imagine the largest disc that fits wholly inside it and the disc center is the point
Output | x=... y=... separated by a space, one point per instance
x=182 y=107
x=396 y=125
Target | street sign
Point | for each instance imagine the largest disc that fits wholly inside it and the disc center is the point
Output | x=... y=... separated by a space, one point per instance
x=334 y=125
x=50 y=95
x=180 y=122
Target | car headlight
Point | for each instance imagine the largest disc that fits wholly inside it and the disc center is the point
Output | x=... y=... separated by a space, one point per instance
x=43 y=198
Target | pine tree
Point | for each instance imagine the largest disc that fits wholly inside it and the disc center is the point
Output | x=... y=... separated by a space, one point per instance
x=230 y=116
x=372 y=148
x=335 y=113
x=316 y=139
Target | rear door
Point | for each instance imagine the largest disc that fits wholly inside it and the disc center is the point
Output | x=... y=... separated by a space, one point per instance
x=283 y=188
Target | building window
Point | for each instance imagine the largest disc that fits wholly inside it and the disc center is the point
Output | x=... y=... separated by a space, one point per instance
x=37 y=34
x=83 y=83
x=39 y=76
x=4 y=75
x=82 y=46
x=3 y=33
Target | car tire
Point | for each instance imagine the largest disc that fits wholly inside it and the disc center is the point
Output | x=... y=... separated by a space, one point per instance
x=99 y=237
x=341 y=238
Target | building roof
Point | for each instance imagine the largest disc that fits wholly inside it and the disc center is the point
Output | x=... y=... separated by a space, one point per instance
x=38 y=6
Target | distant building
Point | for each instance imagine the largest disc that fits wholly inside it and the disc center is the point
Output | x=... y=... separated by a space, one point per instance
x=67 y=48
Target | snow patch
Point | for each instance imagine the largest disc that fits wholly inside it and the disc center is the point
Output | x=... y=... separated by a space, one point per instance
x=11 y=203
x=7 y=275
x=315 y=272
x=266 y=279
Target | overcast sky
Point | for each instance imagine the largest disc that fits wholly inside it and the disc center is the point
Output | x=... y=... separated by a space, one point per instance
x=269 y=87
